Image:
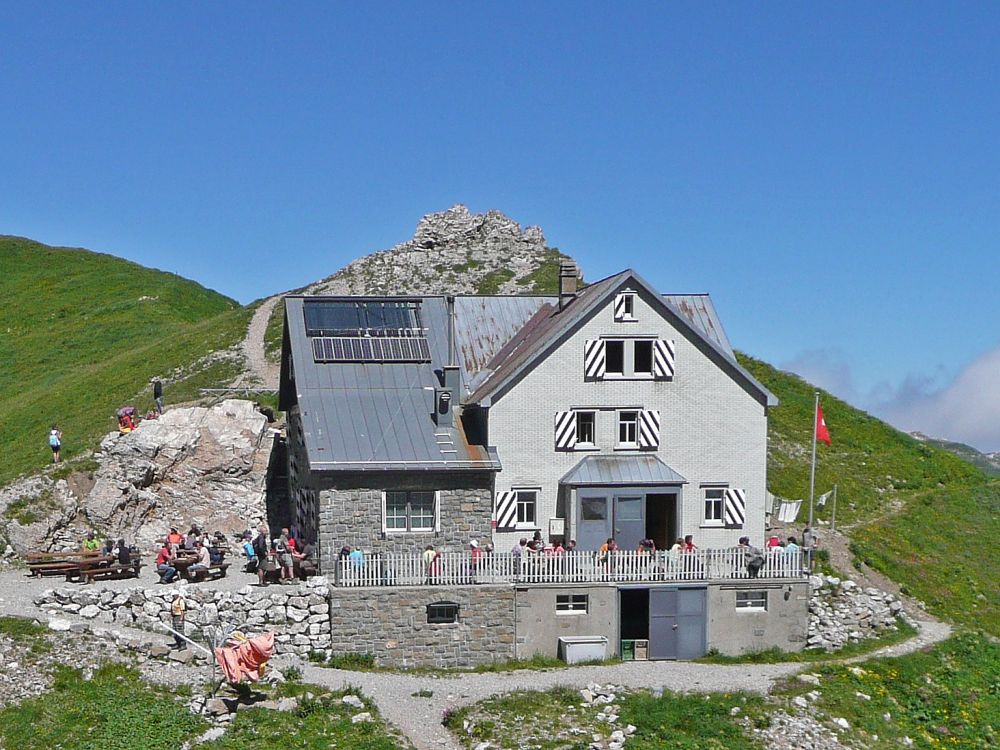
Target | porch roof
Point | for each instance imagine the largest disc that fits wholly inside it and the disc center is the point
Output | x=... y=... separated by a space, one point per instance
x=639 y=469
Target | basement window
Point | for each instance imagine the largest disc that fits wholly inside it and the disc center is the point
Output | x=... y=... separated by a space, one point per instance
x=754 y=601
x=442 y=613
x=572 y=604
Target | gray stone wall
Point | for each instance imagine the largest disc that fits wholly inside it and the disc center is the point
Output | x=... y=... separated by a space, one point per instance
x=350 y=512
x=304 y=499
x=392 y=625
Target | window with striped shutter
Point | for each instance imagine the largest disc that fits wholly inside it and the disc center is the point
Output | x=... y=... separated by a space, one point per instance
x=505 y=512
x=565 y=430
x=663 y=359
x=624 y=307
x=649 y=428
x=736 y=507
x=593 y=359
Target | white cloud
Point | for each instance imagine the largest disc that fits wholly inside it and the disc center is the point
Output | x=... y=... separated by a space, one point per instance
x=966 y=409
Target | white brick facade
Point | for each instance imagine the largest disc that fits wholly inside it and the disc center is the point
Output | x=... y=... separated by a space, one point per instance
x=713 y=428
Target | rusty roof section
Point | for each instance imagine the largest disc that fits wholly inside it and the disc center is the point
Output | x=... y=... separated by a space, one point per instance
x=700 y=312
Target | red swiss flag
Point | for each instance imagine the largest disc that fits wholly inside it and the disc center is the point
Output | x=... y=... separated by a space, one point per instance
x=822 y=434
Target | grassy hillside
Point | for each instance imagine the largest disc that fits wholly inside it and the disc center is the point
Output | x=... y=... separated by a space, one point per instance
x=920 y=514
x=82 y=333
x=983 y=462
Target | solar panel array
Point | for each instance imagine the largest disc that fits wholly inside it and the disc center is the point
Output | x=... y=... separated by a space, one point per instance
x=371 y=349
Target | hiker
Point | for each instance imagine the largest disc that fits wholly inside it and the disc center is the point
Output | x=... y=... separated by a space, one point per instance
x=753 y=556
x=430 y=558
x=260 y=550
x=158 y=395
x=55 y=443
x=178 y=611
x=91 y=544
x=166 y=556
x=285 y=560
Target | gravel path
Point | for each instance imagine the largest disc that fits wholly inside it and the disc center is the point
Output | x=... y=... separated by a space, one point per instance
x=259 y=370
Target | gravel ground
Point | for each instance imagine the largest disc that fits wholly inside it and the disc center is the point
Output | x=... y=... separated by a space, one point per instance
x=259 y=370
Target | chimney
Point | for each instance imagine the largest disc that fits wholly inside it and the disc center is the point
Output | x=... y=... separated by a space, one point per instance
x=447 y=397
x=567 y=282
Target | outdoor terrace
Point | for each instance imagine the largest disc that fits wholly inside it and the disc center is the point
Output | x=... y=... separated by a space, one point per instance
x=457 y=568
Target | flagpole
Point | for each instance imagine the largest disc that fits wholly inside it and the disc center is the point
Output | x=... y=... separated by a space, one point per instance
x=833 y=517
x=812 y=469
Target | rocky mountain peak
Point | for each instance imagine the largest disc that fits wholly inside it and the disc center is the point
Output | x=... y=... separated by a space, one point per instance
x=455 y=251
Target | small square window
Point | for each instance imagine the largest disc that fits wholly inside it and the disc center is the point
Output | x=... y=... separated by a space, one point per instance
x=409 y=511
x=572 y=604
x=754 y=600
x=628 y=428
x=642 y=357
x=442 y=613
x=527 y=500
x=714 y=504
x=614 y=357
x=585 y=427
x=594 y=509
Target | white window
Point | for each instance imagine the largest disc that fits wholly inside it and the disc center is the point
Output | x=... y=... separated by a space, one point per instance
x=527 y=501
x=628 y=428
x=714 y=505
x=624 y=307
x=586 y=428
x=572 y=604
x=751 y=600
x=410 y=511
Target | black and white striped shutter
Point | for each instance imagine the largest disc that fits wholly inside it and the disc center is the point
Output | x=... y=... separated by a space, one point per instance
x=593 y=359
x=565 y=430
x=620 y=312
x=663 y=359
x=506 y=509
x=736 y=507
x=649 y=428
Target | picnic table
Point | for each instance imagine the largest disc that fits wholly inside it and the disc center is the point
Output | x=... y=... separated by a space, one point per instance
x=183 y=562
x=82 y=566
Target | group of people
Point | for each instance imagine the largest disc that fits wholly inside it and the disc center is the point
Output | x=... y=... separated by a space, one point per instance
x=205 y=549
x=114 y=549
x=265 y=555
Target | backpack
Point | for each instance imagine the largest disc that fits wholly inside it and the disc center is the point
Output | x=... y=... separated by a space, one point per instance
x=260 y=546
x=53 y=439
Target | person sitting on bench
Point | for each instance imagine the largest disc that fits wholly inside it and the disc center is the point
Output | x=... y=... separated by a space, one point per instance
x=204 y=561
x=166 y=556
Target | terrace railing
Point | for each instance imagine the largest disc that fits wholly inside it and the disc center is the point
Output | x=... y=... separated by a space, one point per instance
x=458 y=568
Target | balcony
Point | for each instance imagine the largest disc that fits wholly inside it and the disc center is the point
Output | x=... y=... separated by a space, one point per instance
x=458 y=569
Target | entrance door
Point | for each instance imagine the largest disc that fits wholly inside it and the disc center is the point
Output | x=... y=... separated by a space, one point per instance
x=594 y=526
x=630 y=522
x=677 y=622
x=661 y=518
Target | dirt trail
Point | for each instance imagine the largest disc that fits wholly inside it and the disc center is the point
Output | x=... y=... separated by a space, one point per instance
x=260 y=372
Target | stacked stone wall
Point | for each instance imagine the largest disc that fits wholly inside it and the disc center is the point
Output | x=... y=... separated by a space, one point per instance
x=392 y=625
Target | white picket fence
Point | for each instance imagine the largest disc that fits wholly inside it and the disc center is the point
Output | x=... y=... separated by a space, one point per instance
x=457 y=568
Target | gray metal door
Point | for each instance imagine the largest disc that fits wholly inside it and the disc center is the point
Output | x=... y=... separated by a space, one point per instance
x=594 y=525
x=663 y=623
x=630 y=521
x=677 y=622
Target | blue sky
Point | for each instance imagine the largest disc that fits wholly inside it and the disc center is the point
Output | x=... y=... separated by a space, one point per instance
x=830 y=174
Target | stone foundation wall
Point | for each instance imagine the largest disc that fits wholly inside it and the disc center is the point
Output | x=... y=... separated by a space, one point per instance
x=392 y=625
x=841 y=612
x=350 y=513
x=299 y=615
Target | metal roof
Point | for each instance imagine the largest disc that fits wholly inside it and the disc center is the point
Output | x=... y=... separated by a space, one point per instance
x=639 y=469
x=377 y=416
x=700 y=312
x=520 y=356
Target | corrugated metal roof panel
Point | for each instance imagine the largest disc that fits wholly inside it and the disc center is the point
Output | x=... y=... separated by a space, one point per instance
x=622 y=470
x=699 y=310
x=484 y=325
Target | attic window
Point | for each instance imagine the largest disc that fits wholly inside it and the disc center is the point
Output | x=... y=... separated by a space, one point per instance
x=370 y=318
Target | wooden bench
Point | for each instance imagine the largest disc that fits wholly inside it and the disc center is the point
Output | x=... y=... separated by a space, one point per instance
x=215 y=570
x=113 y=570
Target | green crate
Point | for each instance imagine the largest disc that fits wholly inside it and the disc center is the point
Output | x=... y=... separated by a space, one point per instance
x=628 y=650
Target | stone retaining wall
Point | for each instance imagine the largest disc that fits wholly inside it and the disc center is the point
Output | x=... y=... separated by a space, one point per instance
x=299 y=615
x=392 y=625
x=841 y=612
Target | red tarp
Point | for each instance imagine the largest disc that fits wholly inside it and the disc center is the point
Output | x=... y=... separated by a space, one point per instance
x=245 y=659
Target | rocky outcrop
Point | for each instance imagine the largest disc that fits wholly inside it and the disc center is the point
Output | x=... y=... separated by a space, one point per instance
x=842 y=612
x=194 y=465
x=299 y=615
x=454 y=251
